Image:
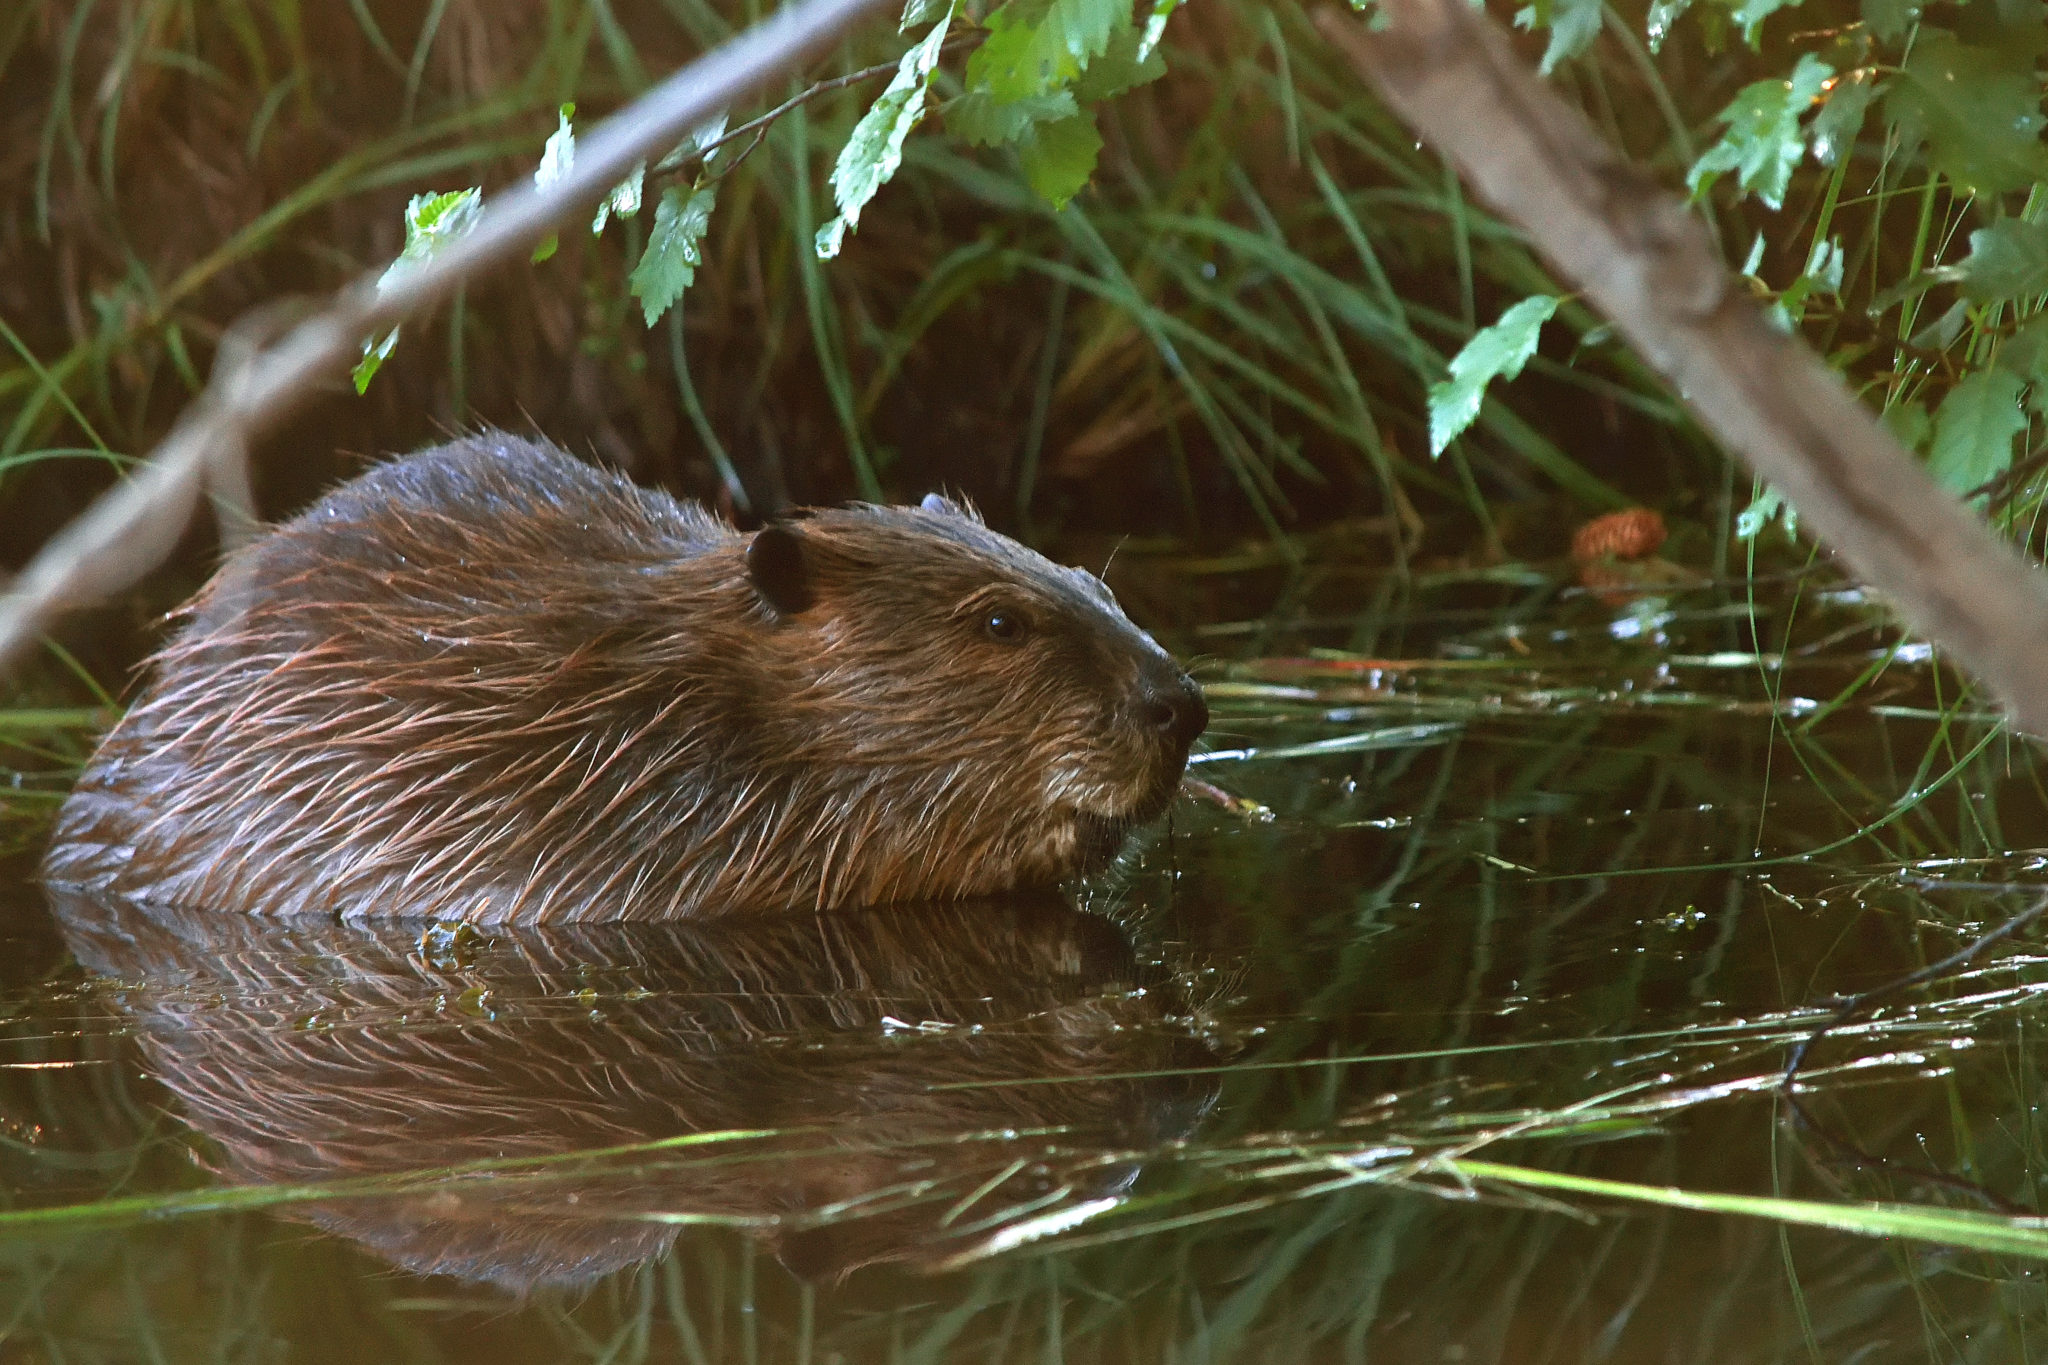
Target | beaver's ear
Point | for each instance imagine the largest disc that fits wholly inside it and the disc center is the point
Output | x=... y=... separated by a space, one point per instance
x=938 y=504
x=775 y=563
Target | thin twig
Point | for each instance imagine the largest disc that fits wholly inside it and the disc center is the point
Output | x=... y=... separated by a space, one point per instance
x=134 y=526
x=1647 y=261
x=759 y=127
x=866 y=73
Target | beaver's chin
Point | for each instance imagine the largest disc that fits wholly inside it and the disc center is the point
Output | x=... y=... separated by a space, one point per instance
x=1098 y=838
x=1097 y=841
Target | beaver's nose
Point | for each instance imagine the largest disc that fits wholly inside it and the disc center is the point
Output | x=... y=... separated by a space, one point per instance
x=1174 y=707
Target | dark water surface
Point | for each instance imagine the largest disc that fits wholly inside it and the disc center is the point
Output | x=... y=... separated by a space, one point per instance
x=1512 y=886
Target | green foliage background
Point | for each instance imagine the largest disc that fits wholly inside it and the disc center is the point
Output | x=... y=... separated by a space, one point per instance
x=1140 y=268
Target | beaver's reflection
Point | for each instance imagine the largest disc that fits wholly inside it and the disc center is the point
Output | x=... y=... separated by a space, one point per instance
x=946 y=1068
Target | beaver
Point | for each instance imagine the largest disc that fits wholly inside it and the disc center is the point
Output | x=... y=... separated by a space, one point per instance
x=491 y=682
x=871 y=1085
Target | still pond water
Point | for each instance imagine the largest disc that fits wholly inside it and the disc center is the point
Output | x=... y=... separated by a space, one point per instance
x=1494 y=884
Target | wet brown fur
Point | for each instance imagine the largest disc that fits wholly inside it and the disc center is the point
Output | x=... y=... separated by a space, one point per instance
x=491 y=682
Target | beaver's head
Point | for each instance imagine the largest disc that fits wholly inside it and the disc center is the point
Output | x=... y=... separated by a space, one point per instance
x=988 y=718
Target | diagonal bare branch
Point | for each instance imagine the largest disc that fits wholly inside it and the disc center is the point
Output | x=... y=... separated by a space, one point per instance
x=134 y=526
x=1646 y=261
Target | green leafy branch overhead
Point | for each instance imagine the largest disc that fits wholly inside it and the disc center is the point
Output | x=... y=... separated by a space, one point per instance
x=1030 y=84
x=1906 y=124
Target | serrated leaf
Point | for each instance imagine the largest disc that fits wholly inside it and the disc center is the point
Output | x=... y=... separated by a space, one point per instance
x=874 y=151
x=979 y=119
x=697 y=142
x=1835 y=127
x=1035 y=47
x=1663 y=14
x=1765 y=508
x=624 y=200
x=555 y=160
x=674 y=249
x=1888 y=20
x=431 y=221
x=1155 y=27
x=2008 y=260
x=1941 y=332
x=1763 y=140
x=1059 y=157
x=1573 y=25
x=1496 y=352
x=1750 y=14
x=1973 y=430
x=2025 y=353
x=1910 y=423
x=1121 y=66
x=560 y=153
x=1978 y=109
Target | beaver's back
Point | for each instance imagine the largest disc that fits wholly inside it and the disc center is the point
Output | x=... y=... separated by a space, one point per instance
x=489 y=524
x=464 y=617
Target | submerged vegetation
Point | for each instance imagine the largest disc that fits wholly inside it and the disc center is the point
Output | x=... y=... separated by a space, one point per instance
x=1452 y=1024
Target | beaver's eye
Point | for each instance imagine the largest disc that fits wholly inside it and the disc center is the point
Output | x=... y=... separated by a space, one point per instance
x=1005 y=625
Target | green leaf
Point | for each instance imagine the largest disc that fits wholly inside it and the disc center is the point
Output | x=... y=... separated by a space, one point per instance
x=2025 y=353
x=374 y=355
x=979 y=119
x=1750 y=14
x=1763 y=141
x=624 y=200
x=1978 y=109
x=1766 y=507
x=1835 y=127
x=555 y=160
x=1824 y=267
x=874 y=151
x=1059 y=157
x=1663 y=14
x=431 y=221
x=1889 y=20
x=1973 y=430
x=1155 y=27
x=2008 y=260
x=560 y=154
x=1910 y=423
x=1496 y=352
x=1941 y=333
x=1573 y=25
x=674 y=248
x=1035 y=47
x=1123 y=65
x=917 y=12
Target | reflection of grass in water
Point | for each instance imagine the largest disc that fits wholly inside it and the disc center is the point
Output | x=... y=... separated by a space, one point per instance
x=1396 y=1164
